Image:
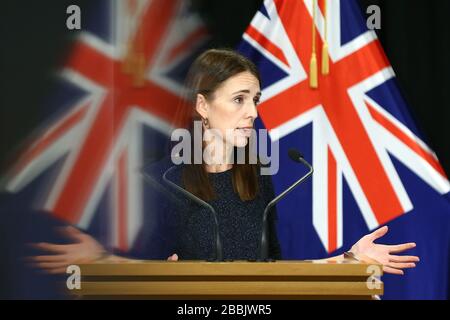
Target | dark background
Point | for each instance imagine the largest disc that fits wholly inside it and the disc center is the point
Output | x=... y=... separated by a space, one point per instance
x=34 y=41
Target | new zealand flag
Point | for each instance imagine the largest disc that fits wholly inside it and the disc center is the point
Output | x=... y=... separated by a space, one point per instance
x=372 y=167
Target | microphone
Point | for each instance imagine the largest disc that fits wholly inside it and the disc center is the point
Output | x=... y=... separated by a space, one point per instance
x=295 y=156
x=219 y=251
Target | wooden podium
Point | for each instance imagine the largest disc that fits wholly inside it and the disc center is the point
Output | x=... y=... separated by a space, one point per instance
x=324 y=279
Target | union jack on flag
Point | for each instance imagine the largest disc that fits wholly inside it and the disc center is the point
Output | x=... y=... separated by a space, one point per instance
x=352 y=126
x=119 y=91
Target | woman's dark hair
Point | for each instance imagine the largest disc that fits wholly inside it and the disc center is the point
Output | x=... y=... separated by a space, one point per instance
x=206 y=74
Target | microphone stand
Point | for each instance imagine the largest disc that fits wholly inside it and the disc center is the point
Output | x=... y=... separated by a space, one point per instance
x=264 y=253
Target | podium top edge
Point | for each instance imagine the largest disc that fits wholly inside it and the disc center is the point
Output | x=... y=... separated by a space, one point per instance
x=235 y=268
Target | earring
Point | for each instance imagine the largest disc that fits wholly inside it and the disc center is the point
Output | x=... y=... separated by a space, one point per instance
x=205 y=122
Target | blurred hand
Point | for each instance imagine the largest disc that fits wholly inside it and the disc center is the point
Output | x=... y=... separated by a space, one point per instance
x=383 y=253
x=173 y=257
x=84 y=249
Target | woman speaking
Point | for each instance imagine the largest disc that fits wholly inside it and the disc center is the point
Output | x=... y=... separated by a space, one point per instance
x=224 y=91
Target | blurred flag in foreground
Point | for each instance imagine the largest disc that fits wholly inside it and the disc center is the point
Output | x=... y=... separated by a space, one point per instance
x=112 y=112
x=116 y=105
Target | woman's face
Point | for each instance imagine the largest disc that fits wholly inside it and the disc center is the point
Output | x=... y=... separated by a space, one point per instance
x=231 y=109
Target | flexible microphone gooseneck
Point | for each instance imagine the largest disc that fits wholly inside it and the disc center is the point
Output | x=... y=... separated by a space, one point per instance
x=296 y=156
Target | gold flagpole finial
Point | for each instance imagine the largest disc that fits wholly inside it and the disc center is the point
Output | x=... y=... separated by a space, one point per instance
x=313 y=77
x=325 y=56
x=130 y=56
x=135 y=63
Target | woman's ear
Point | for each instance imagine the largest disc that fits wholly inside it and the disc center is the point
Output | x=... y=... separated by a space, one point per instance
x=201 y=106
